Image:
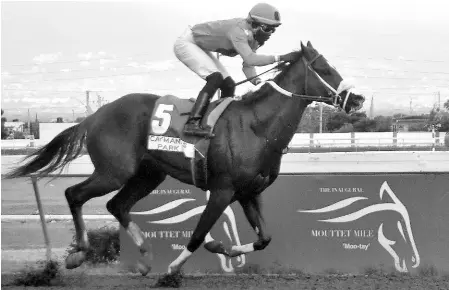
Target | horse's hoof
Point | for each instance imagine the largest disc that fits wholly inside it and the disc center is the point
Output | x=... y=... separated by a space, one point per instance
x=143 y=266
x=216 y=247
x=241 y=260
x=174 y=269
x=75 y=260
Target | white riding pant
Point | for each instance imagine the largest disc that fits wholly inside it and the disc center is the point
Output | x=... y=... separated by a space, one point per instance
x=202 y=62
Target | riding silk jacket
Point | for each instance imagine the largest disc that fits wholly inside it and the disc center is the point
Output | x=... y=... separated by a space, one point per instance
x=231 y=37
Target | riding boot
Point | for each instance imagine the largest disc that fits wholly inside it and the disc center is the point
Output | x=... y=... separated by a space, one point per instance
x=193 y=125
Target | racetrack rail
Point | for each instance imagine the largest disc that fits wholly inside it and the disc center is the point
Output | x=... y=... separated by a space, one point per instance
x=54 y=217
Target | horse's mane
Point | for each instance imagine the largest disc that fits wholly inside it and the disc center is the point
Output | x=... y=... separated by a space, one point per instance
x=251 y=97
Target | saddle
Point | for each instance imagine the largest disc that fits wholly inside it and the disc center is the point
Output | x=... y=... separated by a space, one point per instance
x=167 y=122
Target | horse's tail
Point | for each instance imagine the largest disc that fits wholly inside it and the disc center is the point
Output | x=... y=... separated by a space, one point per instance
x=64 y=148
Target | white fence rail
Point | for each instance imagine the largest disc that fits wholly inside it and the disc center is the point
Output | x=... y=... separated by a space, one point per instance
x=304 y=140
x=368 y=139
x=343 y=162
x=20 y=143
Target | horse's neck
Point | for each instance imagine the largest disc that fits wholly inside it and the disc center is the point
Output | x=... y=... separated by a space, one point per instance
x=278 y=115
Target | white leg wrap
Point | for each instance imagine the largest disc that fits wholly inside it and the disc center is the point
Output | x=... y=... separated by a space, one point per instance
x=135 y=233
x=248 y=248
x=182 y=258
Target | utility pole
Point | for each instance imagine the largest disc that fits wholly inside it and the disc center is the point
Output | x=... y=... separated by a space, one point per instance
x=371 y=110
x=321 y=116
x=29 y=122
x=439 y=100
x=89 y=110
x=87 y=103
x=98 y=101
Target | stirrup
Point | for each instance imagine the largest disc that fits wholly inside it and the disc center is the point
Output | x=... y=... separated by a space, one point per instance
x=195 y=129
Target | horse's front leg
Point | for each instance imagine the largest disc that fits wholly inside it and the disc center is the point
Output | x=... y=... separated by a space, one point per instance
x=220 y=198
x=252 y=210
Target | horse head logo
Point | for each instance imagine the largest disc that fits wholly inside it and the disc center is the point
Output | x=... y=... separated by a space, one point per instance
x=403 y=225
x=229 y=226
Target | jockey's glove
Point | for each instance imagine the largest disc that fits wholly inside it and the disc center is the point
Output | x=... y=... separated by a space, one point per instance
x=256 y=81
x=290 y=57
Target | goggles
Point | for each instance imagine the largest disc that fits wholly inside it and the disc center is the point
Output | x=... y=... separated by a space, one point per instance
x=264 y=27
x=267 y=28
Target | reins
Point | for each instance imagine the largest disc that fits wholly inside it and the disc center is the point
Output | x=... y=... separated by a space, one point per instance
x=334 y=95
x=251 y=78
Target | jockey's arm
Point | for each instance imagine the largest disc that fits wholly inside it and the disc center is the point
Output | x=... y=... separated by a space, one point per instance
x=250 y=72
x=239 y=39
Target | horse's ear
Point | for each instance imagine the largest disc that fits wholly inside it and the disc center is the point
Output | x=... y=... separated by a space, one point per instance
x=302 y=46
x=309 y=44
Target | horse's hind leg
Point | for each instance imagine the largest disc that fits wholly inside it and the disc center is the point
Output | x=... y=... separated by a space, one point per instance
x=120 y=205
x=96 y=185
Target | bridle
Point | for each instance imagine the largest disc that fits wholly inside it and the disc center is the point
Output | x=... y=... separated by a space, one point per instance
x=333 y=95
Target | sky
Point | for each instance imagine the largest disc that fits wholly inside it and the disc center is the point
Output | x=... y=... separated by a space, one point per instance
x=52 y=52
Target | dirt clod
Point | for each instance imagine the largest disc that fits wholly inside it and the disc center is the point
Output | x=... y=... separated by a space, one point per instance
x=41 y=276
x=169 y=281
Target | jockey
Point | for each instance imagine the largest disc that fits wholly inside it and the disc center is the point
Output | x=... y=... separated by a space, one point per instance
x=231 y=37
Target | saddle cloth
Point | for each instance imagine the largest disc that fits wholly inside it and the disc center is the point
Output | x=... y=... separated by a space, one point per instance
x=167 y=122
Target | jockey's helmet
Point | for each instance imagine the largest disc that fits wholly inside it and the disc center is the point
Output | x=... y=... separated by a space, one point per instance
x=264 y=13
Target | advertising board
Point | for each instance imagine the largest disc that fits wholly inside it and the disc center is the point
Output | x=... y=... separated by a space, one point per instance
x=317 y=222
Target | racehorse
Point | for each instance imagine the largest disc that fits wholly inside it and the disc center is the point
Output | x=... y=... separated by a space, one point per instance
x=243 y=158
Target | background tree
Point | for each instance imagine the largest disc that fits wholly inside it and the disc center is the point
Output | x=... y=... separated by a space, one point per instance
x=337 y=120
x=346 y=128
x=79 y=119
x=4 y=131
x=310 y=121
x=364 y=125
x=439 y=120
x=444 y=123
x=383 y=123
x=34 y=129
x=18 y=135
x=399 y=115
x=417 y=127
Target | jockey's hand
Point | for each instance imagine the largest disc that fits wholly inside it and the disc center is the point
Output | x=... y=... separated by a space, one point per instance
x=290 y=57
x=256 y=81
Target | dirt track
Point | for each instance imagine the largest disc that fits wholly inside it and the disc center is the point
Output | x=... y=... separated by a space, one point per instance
x=81 y=280
x=25 y=247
